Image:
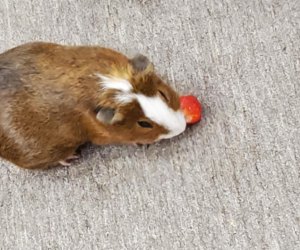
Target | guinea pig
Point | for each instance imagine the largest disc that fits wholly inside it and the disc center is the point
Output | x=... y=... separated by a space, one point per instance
x=54 y=98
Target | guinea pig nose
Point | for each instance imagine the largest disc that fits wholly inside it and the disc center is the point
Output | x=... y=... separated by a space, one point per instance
x=191 y=108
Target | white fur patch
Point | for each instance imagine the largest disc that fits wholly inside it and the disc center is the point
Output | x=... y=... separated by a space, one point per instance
x=124 y=98
x=115 y=83
x=158 y=111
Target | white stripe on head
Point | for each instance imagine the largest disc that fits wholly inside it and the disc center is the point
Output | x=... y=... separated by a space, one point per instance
x=158 y=111
x=124 y=98
x=115 y=83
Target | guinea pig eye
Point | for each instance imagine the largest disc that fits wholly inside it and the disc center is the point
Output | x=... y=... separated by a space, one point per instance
x=145 y=124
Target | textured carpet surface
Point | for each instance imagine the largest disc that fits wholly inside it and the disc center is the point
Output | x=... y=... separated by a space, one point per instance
x=231 y=182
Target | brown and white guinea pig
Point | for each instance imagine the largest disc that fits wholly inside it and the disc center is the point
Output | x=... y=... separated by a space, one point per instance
x=54 y=98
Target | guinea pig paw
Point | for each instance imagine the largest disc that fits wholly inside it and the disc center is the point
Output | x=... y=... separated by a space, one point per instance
x=65 y=163
x=73 y=157
x=68 y=160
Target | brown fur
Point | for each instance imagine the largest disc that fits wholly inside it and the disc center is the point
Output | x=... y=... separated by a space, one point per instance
x=49 y=96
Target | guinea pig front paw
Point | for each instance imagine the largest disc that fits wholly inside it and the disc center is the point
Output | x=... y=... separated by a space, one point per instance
x=73 y=157
x=68 y=160
x=65 y=163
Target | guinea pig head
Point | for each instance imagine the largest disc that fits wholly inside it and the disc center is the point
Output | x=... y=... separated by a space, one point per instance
x=139 y=107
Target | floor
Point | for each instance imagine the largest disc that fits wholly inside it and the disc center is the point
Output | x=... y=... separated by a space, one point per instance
x=231 y=182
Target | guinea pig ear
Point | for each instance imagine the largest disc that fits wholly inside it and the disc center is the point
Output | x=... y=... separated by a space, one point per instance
x=108 y=115
x=141 y=64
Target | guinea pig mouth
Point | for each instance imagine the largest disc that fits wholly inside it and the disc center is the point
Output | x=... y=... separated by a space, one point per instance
x=177 y=127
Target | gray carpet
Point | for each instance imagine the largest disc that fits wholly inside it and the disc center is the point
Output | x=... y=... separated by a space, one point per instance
x=231 y=182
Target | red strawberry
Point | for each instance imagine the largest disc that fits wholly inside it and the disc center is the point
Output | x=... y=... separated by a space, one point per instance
x=191 y=108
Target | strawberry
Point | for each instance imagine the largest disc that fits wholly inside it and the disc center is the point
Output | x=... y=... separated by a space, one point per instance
x=191 y=108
